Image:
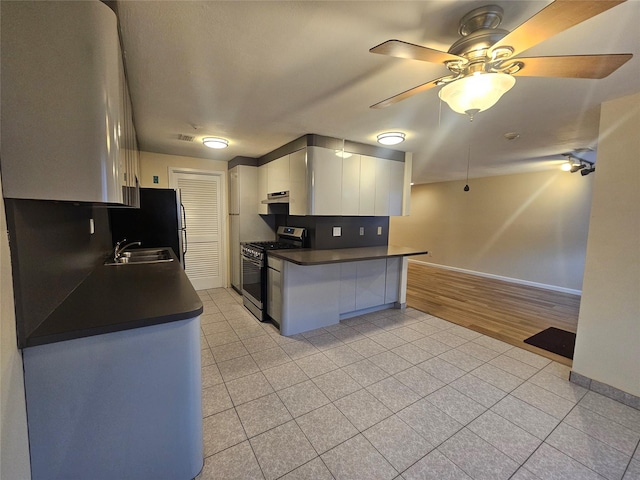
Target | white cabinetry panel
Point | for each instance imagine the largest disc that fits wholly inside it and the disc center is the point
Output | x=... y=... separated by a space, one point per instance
x=367 y=185
x=370 y=283
x=396 y=186
x=351 y=185
x=382 y=187
x=263 y=209
x=278 y=175
x=393 y=280
x=348 y=276
x=298 y=179
x=326 y=179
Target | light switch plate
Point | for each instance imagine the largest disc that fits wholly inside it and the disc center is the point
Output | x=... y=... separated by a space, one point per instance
x=337 y=231
x=379 y=230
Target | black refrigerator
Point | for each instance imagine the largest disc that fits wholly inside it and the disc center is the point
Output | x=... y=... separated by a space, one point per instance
x=159 y=222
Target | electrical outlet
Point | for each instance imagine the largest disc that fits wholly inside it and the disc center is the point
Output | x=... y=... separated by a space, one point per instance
x=379 y=230
x=92 y=226
x=361 y=231
x=337 y=231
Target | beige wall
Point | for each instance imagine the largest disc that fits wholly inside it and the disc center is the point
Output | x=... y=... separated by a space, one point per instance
x=14 y=446
x=608 y=340
x=158 y=164
x=530 y=227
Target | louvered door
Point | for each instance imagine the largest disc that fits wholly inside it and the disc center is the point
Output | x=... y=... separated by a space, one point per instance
x=201 y=197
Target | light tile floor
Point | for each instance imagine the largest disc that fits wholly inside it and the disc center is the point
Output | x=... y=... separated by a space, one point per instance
x=397 y=395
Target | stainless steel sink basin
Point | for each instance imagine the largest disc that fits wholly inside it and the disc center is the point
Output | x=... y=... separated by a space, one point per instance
x=141 y=256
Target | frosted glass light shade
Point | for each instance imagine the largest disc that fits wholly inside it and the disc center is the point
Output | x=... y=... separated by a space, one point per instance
x=215 y=142
x=477 y=92
x=391 y=138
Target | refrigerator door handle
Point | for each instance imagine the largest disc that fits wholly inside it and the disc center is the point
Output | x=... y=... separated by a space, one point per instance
x=184 y=216
x=185 y=243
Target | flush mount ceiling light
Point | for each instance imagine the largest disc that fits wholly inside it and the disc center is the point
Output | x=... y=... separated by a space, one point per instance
x=391 y=138
x=215 y=142
x=476 y=92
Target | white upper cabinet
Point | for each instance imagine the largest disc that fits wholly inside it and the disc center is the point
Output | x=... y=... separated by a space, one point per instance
x=234 y=192
x=367 y=186
x=278 y=175
x=298 y=183
x=67 y=131
x=351 y=185
x=263 y=209
x=323 y=183
x=396 y=186
x=381 y=206
x=325 y=170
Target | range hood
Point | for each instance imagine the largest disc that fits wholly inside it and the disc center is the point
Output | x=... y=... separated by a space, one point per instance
x=277 y=197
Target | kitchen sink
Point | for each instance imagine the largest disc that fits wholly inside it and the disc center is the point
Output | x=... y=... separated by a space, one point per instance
x=141 y=256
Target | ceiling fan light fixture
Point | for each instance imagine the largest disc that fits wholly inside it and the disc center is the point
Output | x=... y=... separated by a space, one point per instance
x=477 y=92
x=391 y=138
x=215 y=142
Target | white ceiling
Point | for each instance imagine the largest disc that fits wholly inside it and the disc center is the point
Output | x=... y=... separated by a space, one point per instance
x=264 y=73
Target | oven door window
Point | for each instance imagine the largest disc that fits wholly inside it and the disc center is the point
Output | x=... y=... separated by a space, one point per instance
x=252 y=278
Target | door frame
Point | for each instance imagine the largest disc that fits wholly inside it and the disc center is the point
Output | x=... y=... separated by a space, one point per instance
x=224 y=207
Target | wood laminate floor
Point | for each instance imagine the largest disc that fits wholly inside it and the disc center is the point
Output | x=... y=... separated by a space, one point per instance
x=502 y=310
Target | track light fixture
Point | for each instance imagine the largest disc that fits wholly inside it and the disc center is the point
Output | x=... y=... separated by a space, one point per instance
x=574 y=165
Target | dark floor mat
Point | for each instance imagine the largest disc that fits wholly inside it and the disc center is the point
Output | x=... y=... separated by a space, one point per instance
x=554 y=340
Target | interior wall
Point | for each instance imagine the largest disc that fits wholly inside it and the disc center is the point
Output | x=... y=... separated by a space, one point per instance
x=52 y=252
x=608 y=335
x=14 y=458
x=320 y=231
x=530 y=227
x=158 y=164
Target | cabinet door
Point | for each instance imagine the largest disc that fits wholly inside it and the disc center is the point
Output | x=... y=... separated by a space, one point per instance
x=382 y=187
x=370 y=283
x=326 y=177
x=263 y=209
x=274 y=294
x=234 y=250
x=348 y=275
x=299 y=189
x=367 y=186
x=234 y=192
x=396 y=187
x=392 y=280
x=278 y=175
x=351 y=185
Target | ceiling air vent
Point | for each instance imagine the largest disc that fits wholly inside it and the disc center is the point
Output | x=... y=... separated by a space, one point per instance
x=186 y=138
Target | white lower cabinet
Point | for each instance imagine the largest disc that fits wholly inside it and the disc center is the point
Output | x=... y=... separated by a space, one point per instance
x=348 y=280
x=394 y=275
x=304 y=298
x=370 y=283
x=274 y=289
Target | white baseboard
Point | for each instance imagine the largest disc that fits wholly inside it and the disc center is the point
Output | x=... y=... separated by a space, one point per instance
x=500 y=277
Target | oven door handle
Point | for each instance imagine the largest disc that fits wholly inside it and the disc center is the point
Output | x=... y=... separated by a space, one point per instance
x=255 y=262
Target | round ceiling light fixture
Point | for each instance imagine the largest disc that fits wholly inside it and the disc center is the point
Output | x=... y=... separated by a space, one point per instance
x=391 y=138
x=215 y=142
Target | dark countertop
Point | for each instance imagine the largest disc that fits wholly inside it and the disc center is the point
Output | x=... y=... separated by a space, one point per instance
x=114 y=298
x=305 y=256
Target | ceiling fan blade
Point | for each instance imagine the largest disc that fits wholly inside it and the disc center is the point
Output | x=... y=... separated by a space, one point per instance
x=408 y=93
x=398 y=48
x=551 y=20
x=572 y=66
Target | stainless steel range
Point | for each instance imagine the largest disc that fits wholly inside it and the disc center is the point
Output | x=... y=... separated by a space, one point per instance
x=254 y=268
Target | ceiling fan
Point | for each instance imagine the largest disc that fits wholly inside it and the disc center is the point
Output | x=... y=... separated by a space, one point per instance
x=484 y=62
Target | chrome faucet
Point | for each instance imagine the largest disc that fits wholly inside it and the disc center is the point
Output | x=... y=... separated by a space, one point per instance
x=117 y=251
